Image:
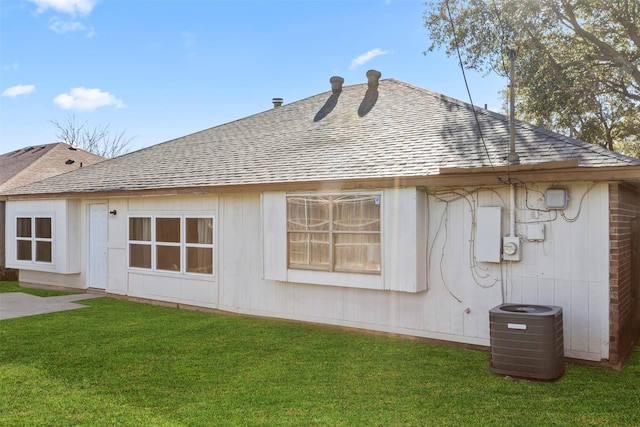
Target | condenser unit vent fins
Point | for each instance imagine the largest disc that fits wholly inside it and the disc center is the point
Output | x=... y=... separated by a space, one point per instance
x=527 y=341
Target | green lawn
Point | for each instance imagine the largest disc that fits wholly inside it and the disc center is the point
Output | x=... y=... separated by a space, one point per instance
x=121 y=363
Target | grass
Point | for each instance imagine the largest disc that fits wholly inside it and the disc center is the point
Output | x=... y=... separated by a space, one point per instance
x=129 y=364
x=14 y=287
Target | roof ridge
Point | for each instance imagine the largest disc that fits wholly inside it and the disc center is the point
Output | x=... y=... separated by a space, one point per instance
x=38 y=147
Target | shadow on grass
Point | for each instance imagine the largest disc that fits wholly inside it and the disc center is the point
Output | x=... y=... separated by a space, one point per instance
x=15 y=287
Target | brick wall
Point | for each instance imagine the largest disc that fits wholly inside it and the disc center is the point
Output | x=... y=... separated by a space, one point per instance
x=624 y=285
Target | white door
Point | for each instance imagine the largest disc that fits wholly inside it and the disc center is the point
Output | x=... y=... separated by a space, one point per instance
x=97 y=262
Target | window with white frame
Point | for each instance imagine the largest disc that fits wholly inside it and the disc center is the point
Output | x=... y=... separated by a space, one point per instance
x=334 y=232
x=34 y=239
x=182 y=244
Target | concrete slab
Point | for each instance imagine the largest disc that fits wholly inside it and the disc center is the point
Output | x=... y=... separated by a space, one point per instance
x=19 y=304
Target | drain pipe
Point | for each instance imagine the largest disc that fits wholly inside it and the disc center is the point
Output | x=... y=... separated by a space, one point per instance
x=512 y=210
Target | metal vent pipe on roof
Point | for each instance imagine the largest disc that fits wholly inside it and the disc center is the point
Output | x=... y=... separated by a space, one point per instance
x=336 y=84
x=512 y=157
x=277 y=102
x=374 y=78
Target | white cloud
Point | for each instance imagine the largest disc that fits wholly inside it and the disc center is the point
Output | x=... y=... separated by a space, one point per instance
x=71 y=7
x=11 y=67
x=367 y=57
x=84 y=99
x=18 y=90
x=62 y=27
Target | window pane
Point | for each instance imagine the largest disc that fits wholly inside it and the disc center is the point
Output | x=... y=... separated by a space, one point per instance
x=23 y=227
x=199 y=230
x=168 y=230
x=309 y=249
x=43 y=228
x=168 y=258
x=140 y=229
x=308 y=213
x=24 y=250
x=43 y=251
x=200 y=260
x=140 y=256
x=357 y=252
x=356 y=213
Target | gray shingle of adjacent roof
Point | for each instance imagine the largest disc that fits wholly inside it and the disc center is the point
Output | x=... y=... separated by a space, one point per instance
x=398 y=130
x=14 y=162
x=31 y=164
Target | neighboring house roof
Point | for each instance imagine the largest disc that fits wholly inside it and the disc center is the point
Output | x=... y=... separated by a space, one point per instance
x=31 y=164
x=360 y=132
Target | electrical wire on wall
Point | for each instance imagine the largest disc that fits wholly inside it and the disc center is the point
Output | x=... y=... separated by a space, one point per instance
x=480 y=274
x=575 y=218
x=552 y=214
x=443 y=219
x=487 y=275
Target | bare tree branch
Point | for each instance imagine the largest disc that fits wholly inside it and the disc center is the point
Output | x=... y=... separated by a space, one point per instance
x=97 y=139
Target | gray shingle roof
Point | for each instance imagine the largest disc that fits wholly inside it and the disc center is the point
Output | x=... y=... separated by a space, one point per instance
x=398 y=130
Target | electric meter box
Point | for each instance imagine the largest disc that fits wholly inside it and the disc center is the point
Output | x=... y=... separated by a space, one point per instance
x=511 y=248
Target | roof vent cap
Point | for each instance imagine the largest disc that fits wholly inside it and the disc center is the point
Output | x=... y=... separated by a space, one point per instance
x=277 y=102
x=374 y=77
x=336 y=83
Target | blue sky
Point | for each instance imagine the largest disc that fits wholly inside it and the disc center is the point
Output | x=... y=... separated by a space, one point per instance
x=162 y=69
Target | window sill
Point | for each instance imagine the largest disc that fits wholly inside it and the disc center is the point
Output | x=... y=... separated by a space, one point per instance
x=33 y=266
x=170 y=273
x=345 y=280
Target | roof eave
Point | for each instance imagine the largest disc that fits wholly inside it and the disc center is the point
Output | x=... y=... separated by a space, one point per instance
x=448 y=177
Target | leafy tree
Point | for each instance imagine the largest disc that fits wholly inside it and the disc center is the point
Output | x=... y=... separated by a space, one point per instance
x=96 y=139
x=577 y=69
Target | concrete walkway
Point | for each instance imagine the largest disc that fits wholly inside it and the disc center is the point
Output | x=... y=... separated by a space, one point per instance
x=19 y=304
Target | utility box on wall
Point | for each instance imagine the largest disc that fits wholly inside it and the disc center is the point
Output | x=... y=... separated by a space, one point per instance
x=511 y=248
x=488 y=233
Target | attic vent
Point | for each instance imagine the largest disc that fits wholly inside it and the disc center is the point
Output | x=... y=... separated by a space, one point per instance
x=336 y=84
x=277 y=102
x=374 y=77
x=69 y=162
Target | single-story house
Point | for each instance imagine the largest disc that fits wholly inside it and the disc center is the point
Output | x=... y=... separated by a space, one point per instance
x=381 y=206
x=31 y=164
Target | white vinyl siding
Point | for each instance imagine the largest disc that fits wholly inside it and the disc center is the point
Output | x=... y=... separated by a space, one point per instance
x=570 y=268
